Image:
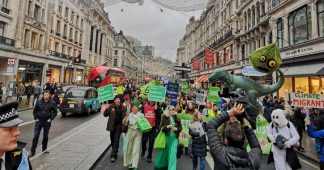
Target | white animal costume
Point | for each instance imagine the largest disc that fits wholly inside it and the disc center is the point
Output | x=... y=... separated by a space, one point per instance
x=280 y=126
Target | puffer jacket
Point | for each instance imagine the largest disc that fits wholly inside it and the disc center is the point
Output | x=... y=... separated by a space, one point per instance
x=226 y=157
x=199 y=144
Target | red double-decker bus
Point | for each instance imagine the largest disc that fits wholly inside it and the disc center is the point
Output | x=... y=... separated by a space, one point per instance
x=103 y=75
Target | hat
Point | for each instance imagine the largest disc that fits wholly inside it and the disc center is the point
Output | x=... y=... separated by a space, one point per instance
x=9 y=116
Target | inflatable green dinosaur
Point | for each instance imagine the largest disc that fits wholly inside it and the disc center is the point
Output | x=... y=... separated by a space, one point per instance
x=252 y=89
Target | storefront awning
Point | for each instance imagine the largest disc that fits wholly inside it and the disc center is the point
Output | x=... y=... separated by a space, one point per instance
x=205 y=79
x=200 y=78
x=312 y=69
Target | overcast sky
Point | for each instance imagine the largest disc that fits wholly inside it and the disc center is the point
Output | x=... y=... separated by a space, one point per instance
x=147 y=23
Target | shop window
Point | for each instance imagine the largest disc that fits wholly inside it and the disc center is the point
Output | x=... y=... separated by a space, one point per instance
x=301 y=85
x=300 y=25
x=2 y=28
x=316 y=86
x=320 y=16
x=286 y=87
x=280 y=32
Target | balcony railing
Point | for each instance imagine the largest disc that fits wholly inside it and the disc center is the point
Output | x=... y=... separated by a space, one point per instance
x=61 y=55
x=7 y=41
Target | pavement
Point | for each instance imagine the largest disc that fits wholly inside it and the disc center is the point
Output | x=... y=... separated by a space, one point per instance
x=78 y=148
x=23 y=104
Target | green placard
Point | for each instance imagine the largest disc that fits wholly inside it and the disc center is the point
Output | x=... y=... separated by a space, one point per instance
x=184 y=87
x=106 y=93
x=157 y=94
x=213 y=94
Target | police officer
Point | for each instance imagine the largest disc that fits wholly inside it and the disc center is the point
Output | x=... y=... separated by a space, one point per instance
x=12 y=153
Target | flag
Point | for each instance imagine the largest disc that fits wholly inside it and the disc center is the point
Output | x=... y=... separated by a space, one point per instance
x=195 y=64
x=209 y=57
x=77 y=60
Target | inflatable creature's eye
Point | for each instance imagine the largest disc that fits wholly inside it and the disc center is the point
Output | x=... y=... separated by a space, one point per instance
x=272 y=63
x=263 y=58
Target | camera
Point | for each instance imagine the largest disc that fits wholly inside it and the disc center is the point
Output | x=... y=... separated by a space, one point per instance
x=280 y=142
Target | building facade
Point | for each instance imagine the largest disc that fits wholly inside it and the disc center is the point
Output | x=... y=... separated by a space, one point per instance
x=40 y=39
x=299 y=29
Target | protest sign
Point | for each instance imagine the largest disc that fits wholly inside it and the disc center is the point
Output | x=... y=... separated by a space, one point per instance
x=305 y=100
x=172 y=90
x=105 y=93
x=200 y=98
x=261 y=132
x=157 y=94
x=184 y=87
x=213 y=94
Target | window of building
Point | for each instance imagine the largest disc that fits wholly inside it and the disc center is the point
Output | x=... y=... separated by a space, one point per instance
x=320 y=16
x=301 y=85
x=123 y=53
x=75 y=53
x=72 y=17
x=43 y=15
x=58 y=27
x=80 y=38
x=26 y=40
x=71 y=33
x=91 y=37
x=300 y=25
x=29 y=12
x=64 y=49
x=60 y=9
x=276 y=2
x=41 y=41
x=287 y=87
x=34 y=41
x=81 y=25
x=65 y=30
x=316 y=85
x=37 y=10
x=66 y=12
x=77 y=20
x=115 y=62
x=280 y=32
x=5 y=3
x=116 y=52
x=2 y=28
x=76 y=36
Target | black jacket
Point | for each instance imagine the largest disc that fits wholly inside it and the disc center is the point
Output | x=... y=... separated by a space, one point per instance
x=45 y=110
x=199 y=144
x=15 y=157
x=226 y=156
x=298 y=119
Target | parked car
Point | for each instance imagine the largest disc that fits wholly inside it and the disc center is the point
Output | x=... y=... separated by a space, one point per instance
x=81 y=100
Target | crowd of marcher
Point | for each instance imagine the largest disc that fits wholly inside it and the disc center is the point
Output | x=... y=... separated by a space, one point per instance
x=216 y=128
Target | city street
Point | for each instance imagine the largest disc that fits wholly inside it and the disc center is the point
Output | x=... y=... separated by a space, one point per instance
x=183 y=163
x=59 y=126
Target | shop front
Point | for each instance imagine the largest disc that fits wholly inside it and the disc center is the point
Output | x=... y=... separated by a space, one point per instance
x=304 y=79
x=54 y=74
x=68 y=75
x=29 y=72
x=79 y=77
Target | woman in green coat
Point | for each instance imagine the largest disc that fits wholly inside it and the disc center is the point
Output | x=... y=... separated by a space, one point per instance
x=171 y=126
x=133 y=138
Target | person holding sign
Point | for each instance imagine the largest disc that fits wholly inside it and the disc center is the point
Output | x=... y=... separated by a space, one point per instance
x=133 y=138
x=150 y=115
x=116 y=113
x=171 y=126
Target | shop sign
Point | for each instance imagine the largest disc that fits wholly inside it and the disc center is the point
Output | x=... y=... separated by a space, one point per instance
x=105 y=93
x=305 y=100
x=157 y=94
x=11 y=61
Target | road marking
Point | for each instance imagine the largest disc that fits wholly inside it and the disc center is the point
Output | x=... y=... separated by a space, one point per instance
x=210 y=160
x=66 y=138
x=308 y=163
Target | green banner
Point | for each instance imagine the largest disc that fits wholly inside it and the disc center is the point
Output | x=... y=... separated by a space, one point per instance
x=157 y=94
x=184 y=87
x=261 y=133
x=213 y=94
x=105 y=93
x=184 y=136
x=146 y=87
